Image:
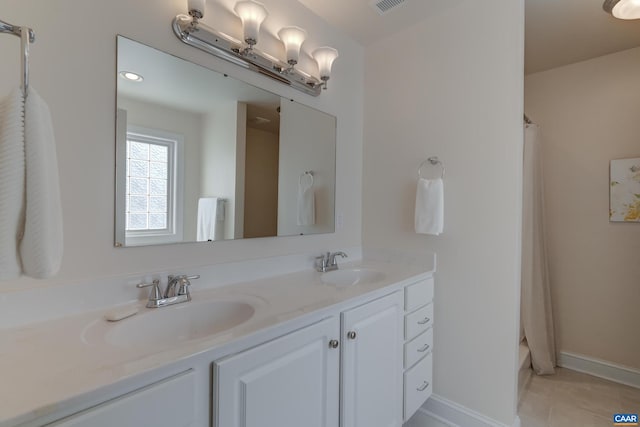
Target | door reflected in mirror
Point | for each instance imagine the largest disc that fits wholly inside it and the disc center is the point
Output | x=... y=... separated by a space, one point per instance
x=204 y=157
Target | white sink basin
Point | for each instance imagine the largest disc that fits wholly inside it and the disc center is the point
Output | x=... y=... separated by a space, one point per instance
x=351 y=276
x=165 y=327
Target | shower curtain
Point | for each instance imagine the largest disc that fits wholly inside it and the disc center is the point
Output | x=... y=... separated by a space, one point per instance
x=535 y=303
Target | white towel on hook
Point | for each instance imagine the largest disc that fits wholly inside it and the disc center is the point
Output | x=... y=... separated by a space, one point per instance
x=429 y=214
x=206 y=219
x=306 y=200
x=42 y=245
x=211 y=216
x=11 y=183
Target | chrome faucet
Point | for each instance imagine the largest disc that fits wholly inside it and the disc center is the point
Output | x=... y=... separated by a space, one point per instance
x=327 y=262
x=170 y=296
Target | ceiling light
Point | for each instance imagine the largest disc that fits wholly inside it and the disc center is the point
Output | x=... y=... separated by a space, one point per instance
x=252 y=14
x=131 y=76
x=623 y=9
x=325 y=56
x=292 y=38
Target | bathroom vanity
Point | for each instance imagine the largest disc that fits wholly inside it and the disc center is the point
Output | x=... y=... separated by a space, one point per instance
x=352 y=348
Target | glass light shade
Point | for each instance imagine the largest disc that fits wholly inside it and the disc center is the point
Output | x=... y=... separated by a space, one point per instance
x=292 y=38
x=325 y=56
x=252 y=15
x=623 y=9
x=196 y=5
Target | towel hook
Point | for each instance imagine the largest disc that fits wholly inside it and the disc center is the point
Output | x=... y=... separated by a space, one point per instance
x=434 y=161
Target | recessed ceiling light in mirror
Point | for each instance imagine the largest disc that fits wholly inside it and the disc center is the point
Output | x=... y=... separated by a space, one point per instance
x=131 y=76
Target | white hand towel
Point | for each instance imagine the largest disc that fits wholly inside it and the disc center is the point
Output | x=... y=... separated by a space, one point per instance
x=206 y=218
x=11 y=183
x=41 y=247
x=429 y=216
x=306 y=201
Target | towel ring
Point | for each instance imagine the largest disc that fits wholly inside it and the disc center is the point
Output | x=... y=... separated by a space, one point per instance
x=433 y=161
x=306 y=173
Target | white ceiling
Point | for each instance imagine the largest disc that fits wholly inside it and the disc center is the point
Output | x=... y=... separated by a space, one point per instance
x=558 y=32
x=561 y=32
x=182 y=85
x=360 y=21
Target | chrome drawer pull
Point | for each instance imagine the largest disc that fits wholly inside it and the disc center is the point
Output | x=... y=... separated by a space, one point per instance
x=423 y=349
x=424 y=321
x=423 y=387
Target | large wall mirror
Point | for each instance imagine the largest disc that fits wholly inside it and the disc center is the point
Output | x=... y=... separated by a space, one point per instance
x=204 y=157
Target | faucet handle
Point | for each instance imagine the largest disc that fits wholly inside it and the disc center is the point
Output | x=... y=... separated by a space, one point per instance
x=185 y=283
x=321 y=262
x=155 y=293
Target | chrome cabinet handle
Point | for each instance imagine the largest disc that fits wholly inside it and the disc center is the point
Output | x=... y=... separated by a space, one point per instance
x=424 y=321
x=424 y=386
x=423 y=349
x=351 y=335
x=334 y=344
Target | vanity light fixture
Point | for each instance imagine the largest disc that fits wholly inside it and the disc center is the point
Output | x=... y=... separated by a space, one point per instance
x=292 y=38
x=325 y=56
x=252 y=14
x=196 y=8
x=623 y=9
x=131 y=76
x=192 y=31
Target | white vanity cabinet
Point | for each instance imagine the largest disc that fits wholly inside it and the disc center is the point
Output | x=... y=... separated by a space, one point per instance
x=418 y=347
x=143 y=407
x=372 y=337
x=291 y=381
x=294 y=380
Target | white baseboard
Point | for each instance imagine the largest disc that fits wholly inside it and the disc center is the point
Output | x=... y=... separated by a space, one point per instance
x=423 y=418
x=455 y=415
x=600 y=368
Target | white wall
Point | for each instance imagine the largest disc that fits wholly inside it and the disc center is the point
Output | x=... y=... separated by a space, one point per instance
x=306 y=144
x=241 y=154
x=187 y=124
x=588 y=115
x=219 y=152
x=73 y=68
x=452 y=86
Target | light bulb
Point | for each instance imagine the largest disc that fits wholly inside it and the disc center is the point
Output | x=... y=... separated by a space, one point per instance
x=252 y=15
x=292 y=38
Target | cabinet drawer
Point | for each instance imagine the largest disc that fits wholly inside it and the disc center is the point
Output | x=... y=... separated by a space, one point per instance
x=418 y=348
x=418 y=294
x=417 y=386
x=418 y=321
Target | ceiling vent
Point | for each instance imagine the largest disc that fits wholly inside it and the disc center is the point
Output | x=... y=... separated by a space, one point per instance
x=385 y=6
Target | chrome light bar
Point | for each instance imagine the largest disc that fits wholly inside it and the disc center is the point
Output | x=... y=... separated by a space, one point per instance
x=194 y=33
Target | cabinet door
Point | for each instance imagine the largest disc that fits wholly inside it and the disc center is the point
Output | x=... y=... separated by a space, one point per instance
x=143 y=407
x=291 y=381
x=372 y=363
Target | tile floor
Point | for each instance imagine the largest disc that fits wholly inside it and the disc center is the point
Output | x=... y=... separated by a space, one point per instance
x=570 y=399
